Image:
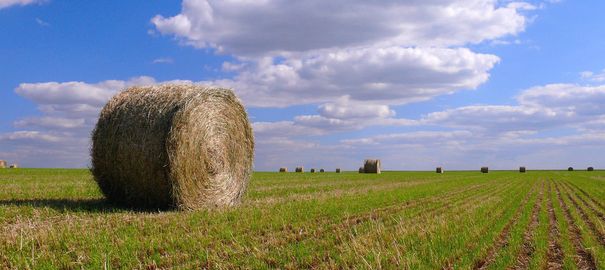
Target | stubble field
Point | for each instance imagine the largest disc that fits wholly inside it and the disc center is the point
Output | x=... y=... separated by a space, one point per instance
x=54 y=218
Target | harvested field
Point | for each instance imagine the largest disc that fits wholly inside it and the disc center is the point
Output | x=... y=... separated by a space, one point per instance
x=57 y=219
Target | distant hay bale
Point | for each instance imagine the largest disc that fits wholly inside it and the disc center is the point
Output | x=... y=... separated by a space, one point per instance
x=371 y=166
x=283 y=169
x=321 y=170
x=173 y=146
x=337 y=170
x=2 y=164
x=13 y=166
x=300 y=169
x=361 y=170
x=312 y=170
x=521 y=169
x=570 y=169
x=590 y=169
x=439 y=170
x=484 y=170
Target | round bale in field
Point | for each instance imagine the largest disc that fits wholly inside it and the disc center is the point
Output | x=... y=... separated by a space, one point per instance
x=2 y=164
x=13 y=166
x=299 y=169
x=173 y=146
x=371 y=166
x=321 y=170
x=439 y=170
x=361 y=170
x=312 y=170
x=283 y=169
x=570 y=169
x=590 y=169
x=484 y=170
x=522 y=169
x=337 y=170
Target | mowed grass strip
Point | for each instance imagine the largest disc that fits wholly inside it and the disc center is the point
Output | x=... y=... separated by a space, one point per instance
x=57 y=219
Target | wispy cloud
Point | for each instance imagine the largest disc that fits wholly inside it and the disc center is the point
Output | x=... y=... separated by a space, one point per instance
x=163 y=60
x=9 y=3
x=42 y=22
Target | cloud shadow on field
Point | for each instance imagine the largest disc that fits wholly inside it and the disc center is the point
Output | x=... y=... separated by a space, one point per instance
x=70 y=205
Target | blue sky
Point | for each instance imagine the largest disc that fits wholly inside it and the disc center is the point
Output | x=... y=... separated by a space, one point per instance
x=419 y=84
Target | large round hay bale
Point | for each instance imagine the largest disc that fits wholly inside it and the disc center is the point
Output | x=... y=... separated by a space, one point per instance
x=484 y=170
x=283 y=169
x=361 y=170
x=321 y=170
x=522 y=169
x=570 y=169
x=2 y=164
x=371 y=166
x=13 y=166
x=337 y=170
x=173 y=146
x=590 y=169
x=312 y=170
x=439 y=170
x=300 y=169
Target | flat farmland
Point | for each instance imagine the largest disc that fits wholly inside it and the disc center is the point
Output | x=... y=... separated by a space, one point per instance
x=57 y=219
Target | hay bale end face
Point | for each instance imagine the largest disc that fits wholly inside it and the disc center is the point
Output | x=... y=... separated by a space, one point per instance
x=361 y=170
x=590 y=169
x=570 y=169
x=2 y=164
x=439 y=170
x=371 y=166
x=173 y=146
x=484 y=170
x=312 y=170
x=299 y=169
x=321 y=170
x=283 y=169
x=522 y=169
x=337 y=170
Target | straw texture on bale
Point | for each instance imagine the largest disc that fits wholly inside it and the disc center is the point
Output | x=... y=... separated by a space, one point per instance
x=439 y=170
x=312 y=170
x=283 y=169
x=173 y=146
x=13 y=166
x=300 y=169
x=570 y=169
x=522 y=169
x=321 y=170
x=361 y=170
x=484 y=169
x=371 y=166
x=590 y=169
x=337 y=170
x=2 y=164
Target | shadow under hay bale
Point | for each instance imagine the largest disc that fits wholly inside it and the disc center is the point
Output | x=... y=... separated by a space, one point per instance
x=371 y=166
x=173 y=146
x=570 y=169
x=484 y=170
x=337 y=170
x=439 y=170
x=590 y=169
x=522 y=169
x=283 y=169
x=299 y=169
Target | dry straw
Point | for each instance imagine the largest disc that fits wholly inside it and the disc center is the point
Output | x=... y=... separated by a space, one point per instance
x=570 y=169
x=2 y=164
x=522 y=169
x=590 y=169
x=283 y=169
x=173 y=146
x=299 y=169
x=337 y=170
x=484 y=169
x=371 y=166
x=439 y=170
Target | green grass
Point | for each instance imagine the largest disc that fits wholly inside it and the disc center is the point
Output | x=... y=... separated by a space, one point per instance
x=57 y=219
